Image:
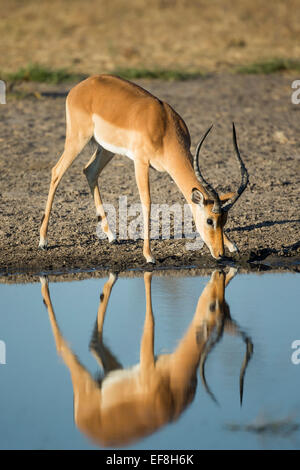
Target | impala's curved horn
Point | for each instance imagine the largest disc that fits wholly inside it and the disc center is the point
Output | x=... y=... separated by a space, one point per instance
x=235 y=330
x=213 y=340
x=208 y=188
x=203 y=378
x=244 y=174
x=247 y=357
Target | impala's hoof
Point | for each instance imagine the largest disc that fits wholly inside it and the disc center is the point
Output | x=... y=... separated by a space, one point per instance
x=234 y=248
x=111 y=238
x=150 y=259
x=43 y=280
x=233 y=271
x=43 y=245
x=112 y=278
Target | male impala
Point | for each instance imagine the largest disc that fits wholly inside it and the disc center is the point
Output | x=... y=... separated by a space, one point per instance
x=127 y=404
x=128 y=120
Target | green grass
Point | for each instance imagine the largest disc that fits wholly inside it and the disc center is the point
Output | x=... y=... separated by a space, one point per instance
x=39 y=73
x=160 y=74
x=270 y=66
x=42 y=74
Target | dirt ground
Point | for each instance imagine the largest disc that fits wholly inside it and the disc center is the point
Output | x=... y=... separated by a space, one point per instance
x=99 y=35
x=264 y=223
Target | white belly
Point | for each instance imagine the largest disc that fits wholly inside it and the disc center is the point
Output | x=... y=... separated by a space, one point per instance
x=119 y=375
x=112 y=138
x=114 y=148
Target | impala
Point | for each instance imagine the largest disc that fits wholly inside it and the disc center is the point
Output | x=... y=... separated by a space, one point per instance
x=127 y=404
x=125 y=119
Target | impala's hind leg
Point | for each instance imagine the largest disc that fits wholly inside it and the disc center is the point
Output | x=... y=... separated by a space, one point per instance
x=73 y=147
x=102 y=353
x=92 y=171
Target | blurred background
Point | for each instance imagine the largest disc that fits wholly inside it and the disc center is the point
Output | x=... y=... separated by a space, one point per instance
x=98 y=36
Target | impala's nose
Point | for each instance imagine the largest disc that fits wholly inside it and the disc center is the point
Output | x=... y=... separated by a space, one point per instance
x=219 y=256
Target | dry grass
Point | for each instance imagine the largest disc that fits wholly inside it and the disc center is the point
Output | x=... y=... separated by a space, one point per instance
x=188 y=35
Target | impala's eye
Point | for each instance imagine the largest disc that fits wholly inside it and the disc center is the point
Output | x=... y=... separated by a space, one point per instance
x=210 y=222
x=212 y=307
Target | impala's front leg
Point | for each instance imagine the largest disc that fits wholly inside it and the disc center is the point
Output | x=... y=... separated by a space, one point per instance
x=147 y=358
x=92 y=171
x=102 y=354
x=229 y=244
x=142 y=179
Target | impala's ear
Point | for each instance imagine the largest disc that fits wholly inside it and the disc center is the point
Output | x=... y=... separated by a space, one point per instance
x=226 y=197
x=197 y=197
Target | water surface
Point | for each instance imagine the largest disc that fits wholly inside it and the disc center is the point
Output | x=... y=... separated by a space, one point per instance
x=261 y=316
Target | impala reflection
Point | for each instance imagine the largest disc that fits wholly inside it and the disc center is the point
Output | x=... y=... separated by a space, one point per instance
x=127 y=404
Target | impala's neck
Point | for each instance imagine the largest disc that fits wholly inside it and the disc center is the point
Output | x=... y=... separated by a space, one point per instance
x=181 y=171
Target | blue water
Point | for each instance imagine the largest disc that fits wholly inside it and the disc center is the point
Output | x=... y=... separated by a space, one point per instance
x=36 y=394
